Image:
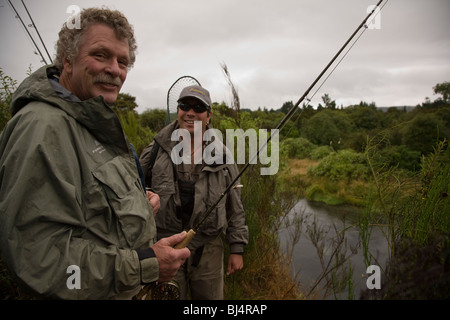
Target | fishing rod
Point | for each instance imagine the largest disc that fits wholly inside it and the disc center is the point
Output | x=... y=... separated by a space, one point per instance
x=37 y=31
x=191 y=233
x=28 y=32
x=170 y=290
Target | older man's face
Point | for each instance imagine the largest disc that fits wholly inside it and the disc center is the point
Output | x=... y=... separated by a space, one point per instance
x=100 y=68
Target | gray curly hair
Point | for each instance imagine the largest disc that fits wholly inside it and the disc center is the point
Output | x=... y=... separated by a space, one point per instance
x=70 y=38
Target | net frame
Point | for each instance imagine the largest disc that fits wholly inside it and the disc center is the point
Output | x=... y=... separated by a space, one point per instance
x=173 y=95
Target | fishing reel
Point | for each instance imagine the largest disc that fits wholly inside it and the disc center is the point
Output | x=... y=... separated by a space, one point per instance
x=159 y=291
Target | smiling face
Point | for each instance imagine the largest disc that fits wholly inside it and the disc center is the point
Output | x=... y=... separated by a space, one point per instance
x=101 y=66
x=186 y=118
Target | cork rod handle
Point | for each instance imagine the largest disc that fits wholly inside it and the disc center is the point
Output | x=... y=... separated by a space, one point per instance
x=185 y=242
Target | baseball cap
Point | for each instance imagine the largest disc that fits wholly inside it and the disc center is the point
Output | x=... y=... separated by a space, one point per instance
x=196 y=92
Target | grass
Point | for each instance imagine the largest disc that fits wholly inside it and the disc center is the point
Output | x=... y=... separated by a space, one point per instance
x=267 y=272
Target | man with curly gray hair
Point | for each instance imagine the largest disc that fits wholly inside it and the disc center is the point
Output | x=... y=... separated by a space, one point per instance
x=75 y=220
x=69 y=39
x=97 y=26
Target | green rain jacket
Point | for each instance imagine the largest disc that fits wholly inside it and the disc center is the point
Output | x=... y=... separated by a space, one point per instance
x=71 y=197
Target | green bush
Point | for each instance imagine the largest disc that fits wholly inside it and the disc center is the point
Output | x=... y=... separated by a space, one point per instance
x=342 y=165
x=423 y=132
x=299 y=148
x=321 y=152
x=401 y=157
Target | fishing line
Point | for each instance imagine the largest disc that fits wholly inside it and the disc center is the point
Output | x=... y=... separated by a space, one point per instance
x=37 y=31
x=28 y=32
x=149 y=290
x=280 y=126
x=377 y=12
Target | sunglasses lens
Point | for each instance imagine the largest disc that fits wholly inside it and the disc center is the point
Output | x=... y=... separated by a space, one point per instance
x=184 y=107
x=197 y=108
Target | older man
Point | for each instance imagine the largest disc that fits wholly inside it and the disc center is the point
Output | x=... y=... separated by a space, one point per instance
x=75 y=221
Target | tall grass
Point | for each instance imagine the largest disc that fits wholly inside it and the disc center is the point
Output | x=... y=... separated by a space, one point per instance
x=266 y=273
x=413 y=212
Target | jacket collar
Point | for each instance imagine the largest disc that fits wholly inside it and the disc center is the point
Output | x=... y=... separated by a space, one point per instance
x=94 y=113
x=163 y=138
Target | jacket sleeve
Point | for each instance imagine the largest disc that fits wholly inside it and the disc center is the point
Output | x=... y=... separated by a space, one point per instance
x=145 y=159
x=43 y=232
x=237 y=230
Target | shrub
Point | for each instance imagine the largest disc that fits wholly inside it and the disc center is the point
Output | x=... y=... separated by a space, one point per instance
x=299 y=148
x=345 y=164
x=321 y=152
x=401 y=156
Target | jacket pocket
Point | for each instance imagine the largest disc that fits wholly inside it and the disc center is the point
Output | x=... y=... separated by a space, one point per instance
x=217 y=219
x=215 y=223
x=127 y=199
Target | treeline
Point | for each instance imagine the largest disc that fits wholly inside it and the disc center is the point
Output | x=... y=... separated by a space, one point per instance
x=400 y=155
x=404 y=135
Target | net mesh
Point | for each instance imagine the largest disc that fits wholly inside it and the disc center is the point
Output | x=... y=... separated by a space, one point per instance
x=174 y=93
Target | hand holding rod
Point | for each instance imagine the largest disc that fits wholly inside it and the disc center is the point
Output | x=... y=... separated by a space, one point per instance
x=183 y=244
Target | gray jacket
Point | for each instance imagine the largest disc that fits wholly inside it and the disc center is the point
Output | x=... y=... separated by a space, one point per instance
x=228 y=217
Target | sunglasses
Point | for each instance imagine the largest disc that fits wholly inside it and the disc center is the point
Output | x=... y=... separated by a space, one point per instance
x=198 y=108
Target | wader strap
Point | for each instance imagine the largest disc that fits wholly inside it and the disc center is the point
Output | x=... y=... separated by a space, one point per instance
x=187 y=197
x=197 y=256
x=151 y=163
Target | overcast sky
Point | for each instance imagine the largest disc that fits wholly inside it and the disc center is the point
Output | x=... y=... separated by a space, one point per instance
x=274 y=49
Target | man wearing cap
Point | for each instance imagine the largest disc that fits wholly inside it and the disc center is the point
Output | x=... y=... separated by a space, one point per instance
x=186 y=192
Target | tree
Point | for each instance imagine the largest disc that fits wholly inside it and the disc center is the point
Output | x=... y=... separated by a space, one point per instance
x=153 y=119
x=330 y=104
x=139 y=136
x=444 y=90
x=364 y=116
x=287 y=106
x=7 y=88
x=326 y=127
x=125 y=103
x=422 y=132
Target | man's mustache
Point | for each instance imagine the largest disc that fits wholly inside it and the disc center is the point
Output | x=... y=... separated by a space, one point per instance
x=107 y=79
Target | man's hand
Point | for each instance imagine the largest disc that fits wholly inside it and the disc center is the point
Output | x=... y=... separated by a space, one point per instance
x=154 y=201
x=235 y=263
x=170 y=259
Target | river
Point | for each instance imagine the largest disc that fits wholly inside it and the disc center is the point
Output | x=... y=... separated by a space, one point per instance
x=305 y=263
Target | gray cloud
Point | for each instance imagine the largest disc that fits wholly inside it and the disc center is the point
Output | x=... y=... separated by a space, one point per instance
x=273 y=49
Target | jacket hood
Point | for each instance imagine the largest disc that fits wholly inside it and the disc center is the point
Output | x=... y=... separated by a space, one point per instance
x=93 y=113
x=163 y=137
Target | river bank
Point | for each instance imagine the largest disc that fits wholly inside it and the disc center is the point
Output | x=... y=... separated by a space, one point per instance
x=402 y=224
x=322 y=189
